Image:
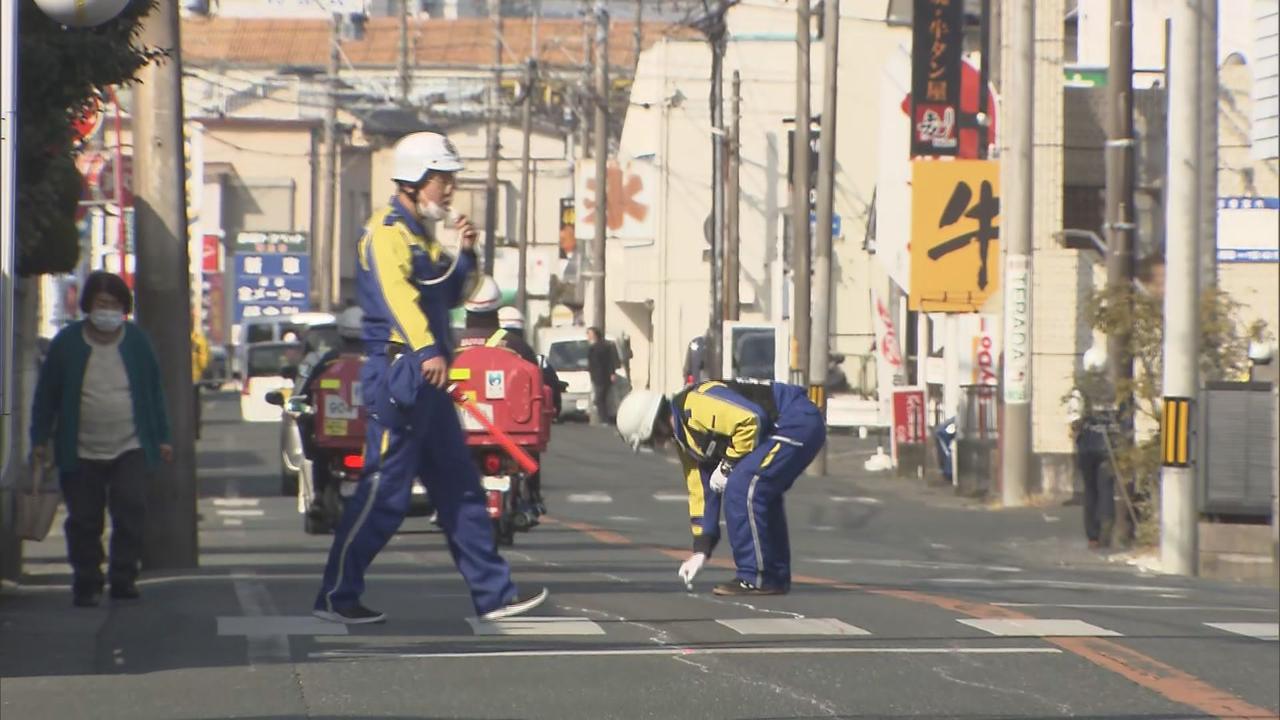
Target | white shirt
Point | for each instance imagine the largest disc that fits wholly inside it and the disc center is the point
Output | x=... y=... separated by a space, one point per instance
x=107 y=428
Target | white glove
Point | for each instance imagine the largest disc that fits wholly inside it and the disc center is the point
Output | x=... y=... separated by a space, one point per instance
x=719 y=479
x=690 y=568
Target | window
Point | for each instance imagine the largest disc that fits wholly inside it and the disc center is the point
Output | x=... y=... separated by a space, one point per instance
x=569 y=355
x=271 y=360
x=258 y=332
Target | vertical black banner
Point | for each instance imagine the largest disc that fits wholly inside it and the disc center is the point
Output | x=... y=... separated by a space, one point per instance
x=937 y=39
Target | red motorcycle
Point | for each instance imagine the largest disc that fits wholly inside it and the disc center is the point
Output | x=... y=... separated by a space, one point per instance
x=506 y=411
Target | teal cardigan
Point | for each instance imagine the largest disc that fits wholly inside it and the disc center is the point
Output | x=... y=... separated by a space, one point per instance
x=56 y=412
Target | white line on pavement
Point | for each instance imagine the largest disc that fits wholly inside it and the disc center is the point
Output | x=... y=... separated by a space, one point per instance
x=1060 y=584
x=536 y=626
x=918 y=564
x=791 y=626
x=860 y=500
x=592 y=497
x=242 y=513
x=1261 y=631
x=625 y=518
x=232 y=522
x=679 y=652
x=1092 y=606
x=236 y=502
x=255 y=600
x=1037 y=627
x=670 y=497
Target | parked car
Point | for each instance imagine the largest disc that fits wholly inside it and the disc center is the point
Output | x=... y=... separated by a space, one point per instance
x=268 y=366
x=566 y=350
x=281 y=328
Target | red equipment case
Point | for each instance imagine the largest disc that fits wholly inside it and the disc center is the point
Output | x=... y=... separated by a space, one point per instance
x=509 y=391
x=339 y=407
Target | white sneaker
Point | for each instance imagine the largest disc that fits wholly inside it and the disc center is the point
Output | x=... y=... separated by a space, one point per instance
x=519 y=606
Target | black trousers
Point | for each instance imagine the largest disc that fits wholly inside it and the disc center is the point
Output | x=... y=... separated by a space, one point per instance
x=1099 y=495
x=601 y=392
x=119 y=485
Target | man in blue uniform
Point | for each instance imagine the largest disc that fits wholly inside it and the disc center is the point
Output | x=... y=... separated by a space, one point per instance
x=742 y=445
x=406 y=285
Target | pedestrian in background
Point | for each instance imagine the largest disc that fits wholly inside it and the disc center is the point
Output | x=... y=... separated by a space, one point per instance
x=100 y=401
x=199 y=362
x=1093 y=424
x=602 y=366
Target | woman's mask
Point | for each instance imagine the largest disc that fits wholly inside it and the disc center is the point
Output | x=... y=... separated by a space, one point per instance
x=107 y=321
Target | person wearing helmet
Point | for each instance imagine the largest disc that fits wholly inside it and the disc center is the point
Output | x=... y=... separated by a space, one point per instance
x=407 y=285
x=742 y=446
x=482 y=327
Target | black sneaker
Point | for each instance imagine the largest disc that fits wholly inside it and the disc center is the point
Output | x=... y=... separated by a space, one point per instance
x=87 y=598
x=522 y=604
x=739 y=586
x=357 y=615
x=127 y=591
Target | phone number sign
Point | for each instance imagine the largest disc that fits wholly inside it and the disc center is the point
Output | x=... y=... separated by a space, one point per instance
x=271 y=284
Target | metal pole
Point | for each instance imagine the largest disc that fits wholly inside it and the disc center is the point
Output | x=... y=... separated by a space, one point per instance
x=526 y=126
x=602 y=165
x=820 y=340
x=715 y=334
x=1178 y=513
x=491 y=185
x=163 y=294
x=732 y=270
x=117 y=176
x=1017 y=181
x=1119 y=225
x=324 y=243
x=800 y=203
x=984 y=81
x=404 y=53
x=8 y=234
x=1208 y=180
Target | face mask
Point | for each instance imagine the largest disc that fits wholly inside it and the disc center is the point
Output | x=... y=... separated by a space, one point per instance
x=432 y=211
x=107 y=321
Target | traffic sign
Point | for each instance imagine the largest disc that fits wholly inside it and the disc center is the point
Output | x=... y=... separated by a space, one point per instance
x=268 y=284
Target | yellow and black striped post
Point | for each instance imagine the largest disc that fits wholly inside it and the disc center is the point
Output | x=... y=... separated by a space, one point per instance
x=1175 y=428
x=818 y=394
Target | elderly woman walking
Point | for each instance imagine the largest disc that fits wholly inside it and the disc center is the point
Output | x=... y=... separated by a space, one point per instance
x=99 y=400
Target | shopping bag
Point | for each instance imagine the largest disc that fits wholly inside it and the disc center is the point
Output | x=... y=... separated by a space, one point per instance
x=37 y=501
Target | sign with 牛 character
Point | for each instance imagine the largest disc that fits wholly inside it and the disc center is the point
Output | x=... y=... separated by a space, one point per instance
x=955 y=234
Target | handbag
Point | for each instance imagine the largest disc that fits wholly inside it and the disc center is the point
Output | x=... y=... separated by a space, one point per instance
x=36 y=503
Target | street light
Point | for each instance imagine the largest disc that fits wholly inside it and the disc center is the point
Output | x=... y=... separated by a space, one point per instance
x=81 y=13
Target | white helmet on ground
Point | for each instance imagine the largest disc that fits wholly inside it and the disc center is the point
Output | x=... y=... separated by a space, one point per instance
x=510 y=318
x=351 y=323
x=637 y=415
x=486 y=297
x=422 y=152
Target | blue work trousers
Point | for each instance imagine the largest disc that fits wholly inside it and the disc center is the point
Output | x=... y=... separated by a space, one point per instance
x=755 y=517
x=427 y=442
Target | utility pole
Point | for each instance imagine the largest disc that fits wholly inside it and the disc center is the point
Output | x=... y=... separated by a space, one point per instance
x=732 y=270
x=1178 y=512
x=526 y=126
x=715 y=336
x=819 y=340
x=1208 y=180
x=800 y=265
x=164 y=286
x=491 y=185
x=404 y=53
x=598 y=265
x=639 y=37
x=1016 y=179
x=1119 y=226
x=324 y=243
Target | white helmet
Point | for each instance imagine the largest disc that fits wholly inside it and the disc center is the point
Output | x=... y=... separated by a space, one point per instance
x=510 y=318
x=486 y=297
x=637 y=415
x=351 y=323
x=419 y=153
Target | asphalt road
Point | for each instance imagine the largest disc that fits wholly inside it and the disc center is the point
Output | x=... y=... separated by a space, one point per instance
x=907 y=604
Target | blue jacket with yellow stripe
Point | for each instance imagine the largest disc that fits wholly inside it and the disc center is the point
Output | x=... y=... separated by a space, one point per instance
x=397 y=257
x=717 y=423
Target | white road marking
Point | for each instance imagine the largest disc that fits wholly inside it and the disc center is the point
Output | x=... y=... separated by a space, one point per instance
x=255 y=601
x=232 y=522
x=536 y=626
x=242 y=513
x=823 y=528
x=625 y=518
x=860 y=500
x=236 y=502
x=1092 y=606
x=593 y=497
x=117 y=657
x=791 y=626
x=682 y=652
x=670 y=497
x=1060 y=584
x=1261 y=631
x=918 y=564
x=274 y=625
x=1034 y=627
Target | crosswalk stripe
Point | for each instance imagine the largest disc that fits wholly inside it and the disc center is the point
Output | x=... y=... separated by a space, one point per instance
x=536 y=626
x=670 y=497
x=1261 y=631
x=1035 y=627
x=791 y=626
x=236 y=502
x=592 y=497
x=241 y=513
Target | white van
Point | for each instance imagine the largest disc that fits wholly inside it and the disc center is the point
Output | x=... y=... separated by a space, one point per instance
x=273 y=330
x=566 y=350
